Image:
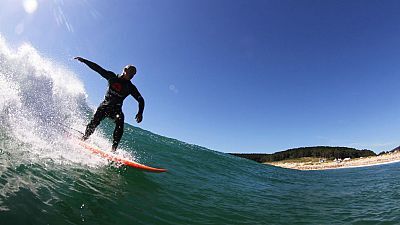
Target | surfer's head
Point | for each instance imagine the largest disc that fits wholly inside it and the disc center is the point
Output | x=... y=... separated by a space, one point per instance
x=128 y=72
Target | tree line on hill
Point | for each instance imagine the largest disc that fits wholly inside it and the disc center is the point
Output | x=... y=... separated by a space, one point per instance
x=391 y=151
x=317 y=152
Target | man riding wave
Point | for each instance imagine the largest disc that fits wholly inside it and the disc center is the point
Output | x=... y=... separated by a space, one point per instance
x=119 y=87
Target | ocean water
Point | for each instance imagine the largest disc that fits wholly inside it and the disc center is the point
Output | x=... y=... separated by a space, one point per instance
x=46 y=178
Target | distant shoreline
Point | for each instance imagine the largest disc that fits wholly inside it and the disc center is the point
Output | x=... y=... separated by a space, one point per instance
x=391 y=157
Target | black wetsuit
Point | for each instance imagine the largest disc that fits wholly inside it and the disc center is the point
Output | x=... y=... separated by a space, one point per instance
x=118 y=90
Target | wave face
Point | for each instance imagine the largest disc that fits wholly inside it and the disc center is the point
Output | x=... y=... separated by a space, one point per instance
x=46 y=178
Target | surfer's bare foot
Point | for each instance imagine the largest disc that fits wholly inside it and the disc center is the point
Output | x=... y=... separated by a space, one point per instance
x=84 y=138
x=113 y=149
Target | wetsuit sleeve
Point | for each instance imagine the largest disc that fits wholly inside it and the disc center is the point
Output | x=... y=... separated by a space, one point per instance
x=104 y=73
x=135 y=93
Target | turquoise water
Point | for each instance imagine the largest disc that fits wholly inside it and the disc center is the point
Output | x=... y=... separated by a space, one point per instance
x=201 y=187
x=46 y=178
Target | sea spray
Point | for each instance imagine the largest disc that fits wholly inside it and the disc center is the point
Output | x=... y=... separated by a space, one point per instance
x=36 y=95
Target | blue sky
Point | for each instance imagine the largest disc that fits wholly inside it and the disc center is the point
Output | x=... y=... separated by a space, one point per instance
x=234 y=76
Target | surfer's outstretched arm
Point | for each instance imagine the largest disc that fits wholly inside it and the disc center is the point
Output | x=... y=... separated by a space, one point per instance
x=104 y=73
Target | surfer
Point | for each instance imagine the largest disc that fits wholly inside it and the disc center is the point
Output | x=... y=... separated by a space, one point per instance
x=119 y=87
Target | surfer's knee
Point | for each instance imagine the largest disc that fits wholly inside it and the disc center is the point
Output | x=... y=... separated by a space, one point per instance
x=119 y=119
x=120 y=116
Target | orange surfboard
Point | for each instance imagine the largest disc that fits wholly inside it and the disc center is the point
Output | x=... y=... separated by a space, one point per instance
x=119 y=159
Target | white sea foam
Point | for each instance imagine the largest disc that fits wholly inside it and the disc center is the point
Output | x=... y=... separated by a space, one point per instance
x=36 y=94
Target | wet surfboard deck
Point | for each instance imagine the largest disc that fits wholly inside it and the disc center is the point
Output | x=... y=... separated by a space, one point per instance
x=118 y=159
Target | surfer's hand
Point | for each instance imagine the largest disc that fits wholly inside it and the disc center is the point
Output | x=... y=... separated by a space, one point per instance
x=139 y=118
x=80 y=59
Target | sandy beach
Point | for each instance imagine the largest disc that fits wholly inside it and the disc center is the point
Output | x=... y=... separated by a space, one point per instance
x=349 y=163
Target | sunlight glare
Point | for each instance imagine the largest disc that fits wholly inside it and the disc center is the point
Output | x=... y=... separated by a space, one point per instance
x=30 y=6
